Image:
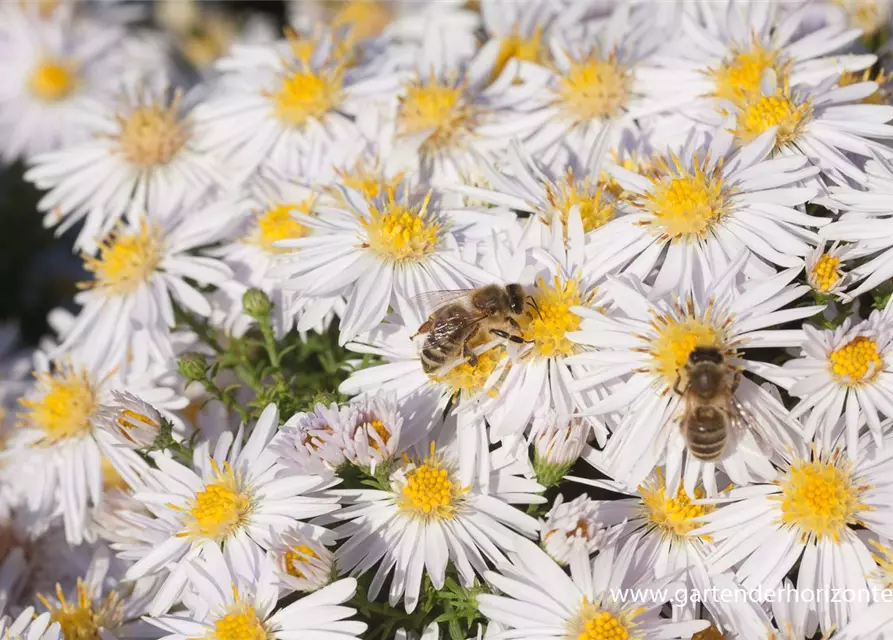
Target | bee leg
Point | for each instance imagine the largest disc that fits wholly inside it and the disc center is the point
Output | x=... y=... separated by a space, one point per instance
x=676 y=385
x=533 y=305
x=508 y=336
x=736 y=381
x=427 y=325
x=469 y=355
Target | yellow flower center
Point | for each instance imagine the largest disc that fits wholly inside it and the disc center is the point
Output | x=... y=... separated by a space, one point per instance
x=365 y=18
x=277 y=223
x=675 y=342
x=739 y=76
x=825 y=272
x=83 y=620
x=297 y=557
x=674 y=515
x=594 y=89
x=435 y=106
x=127 y=419
x=220 y=509
x=821 y=498
x=126 y=260
x=595 y=203
x=369 y=181
x=304 y=95
x=379 y=428
x=760 y=113
x=465 y=379
x=241 y=623
x=429 y=492
x=868 y=15
x=882 y=79
x=67 y=405
x=400 y=233
x=686 y=204
x=52 y=81
x=152 y=135
x=710 y=633
x=857 y=361
x=516 y=46
x=550 y=318
x=602 y=625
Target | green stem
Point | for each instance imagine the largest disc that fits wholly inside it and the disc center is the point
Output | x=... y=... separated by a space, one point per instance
x=228 y=401
x=270 y=342
x=202 y=330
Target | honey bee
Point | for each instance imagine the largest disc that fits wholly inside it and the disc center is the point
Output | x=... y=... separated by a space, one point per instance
x=463 y=315
x=708 y=387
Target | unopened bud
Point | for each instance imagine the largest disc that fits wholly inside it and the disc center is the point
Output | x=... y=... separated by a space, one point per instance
x=575 y=525
x=304 y=564
x=135 y=423
x=193 y=366
x=557 y=445
x=256 y=303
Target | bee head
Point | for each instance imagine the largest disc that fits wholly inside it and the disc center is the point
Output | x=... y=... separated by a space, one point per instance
x=516 y=297
x=705 y=354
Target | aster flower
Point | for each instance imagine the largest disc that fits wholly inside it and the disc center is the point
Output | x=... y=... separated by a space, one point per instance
x=722 y=54
x=808 y=514
x=48 y=66
x=845 y=372
x=431 y=512
x=302 y=563
x=141 y=270
x=826 y=271
x=571 y=526
x=649 y=337
x=30 y=626
x=235 y=498
x=61 y=439
x=229 y=603
x=539 y=600
x=277 y=100
x=377 y=253
x=313 y=441
x=140 y=155
x=557 y=444
x=693 y=214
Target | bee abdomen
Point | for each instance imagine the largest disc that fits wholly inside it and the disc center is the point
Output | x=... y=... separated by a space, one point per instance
x=434 y=357
x=706 y=437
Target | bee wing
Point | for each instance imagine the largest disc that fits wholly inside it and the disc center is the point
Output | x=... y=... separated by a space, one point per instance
x=430 y=301
x=740 y=420
x=445 y=331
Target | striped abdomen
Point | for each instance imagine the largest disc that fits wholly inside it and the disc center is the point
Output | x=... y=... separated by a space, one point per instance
x=706 y=431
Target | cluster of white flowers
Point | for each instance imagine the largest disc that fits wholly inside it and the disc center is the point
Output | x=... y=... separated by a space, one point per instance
x=660 y=179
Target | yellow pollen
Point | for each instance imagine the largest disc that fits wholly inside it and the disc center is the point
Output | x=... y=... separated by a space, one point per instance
x=675 y=342
x=467 y=380
x=126 y=260
x=296 y=557
x=52 y=81
x=304 y=95
x=595 y=203
x=825 y=272
x=220 y=508
x=83 y=619
x=515 y=46
x=400 y=233
x=739 y=76
x=277 y=223
x=240 y=623
x=856 y=362
x=760 y=113
x=383 y=432
x=435 y=106
x=673 y=515
x=548 y=322
x=364 y=18
x=821 y=498
x=710 y=633
x=152 y=135
x=593 y=89
x=686 y=204
x=429 y=492
x=67 y=405
x=603 y=626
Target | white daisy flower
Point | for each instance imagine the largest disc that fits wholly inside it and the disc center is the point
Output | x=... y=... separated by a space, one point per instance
x=68 y=451
x=695 y=213
x=521 y=30
x=140 y=154
x=141 y=270
x=313 y=442
x=230 y=603
x=136 y=424
x=845 y=372
x=30 y=626
x=236 y=498
x=809 y=514
x=276 y=101
x=377 y=253
x=867 y=224
x=645 y=341
x=570 y=526
x=372 y=430
x=48 y=66
x=723 y=53
x=826 y=272
x=539 y=600
x=831 y=125
x=302 y=563
x=432 y=511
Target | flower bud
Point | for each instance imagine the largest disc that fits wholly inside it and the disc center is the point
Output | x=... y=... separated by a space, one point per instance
x=557 y=446
x=303 y=564
x=134 y=423
x=193 y=366
x=575 y=525
x=372 y=430
x=256 y=303
x=313 y=442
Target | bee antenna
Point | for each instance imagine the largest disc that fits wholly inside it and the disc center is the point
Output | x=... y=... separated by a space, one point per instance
x=532 y=302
